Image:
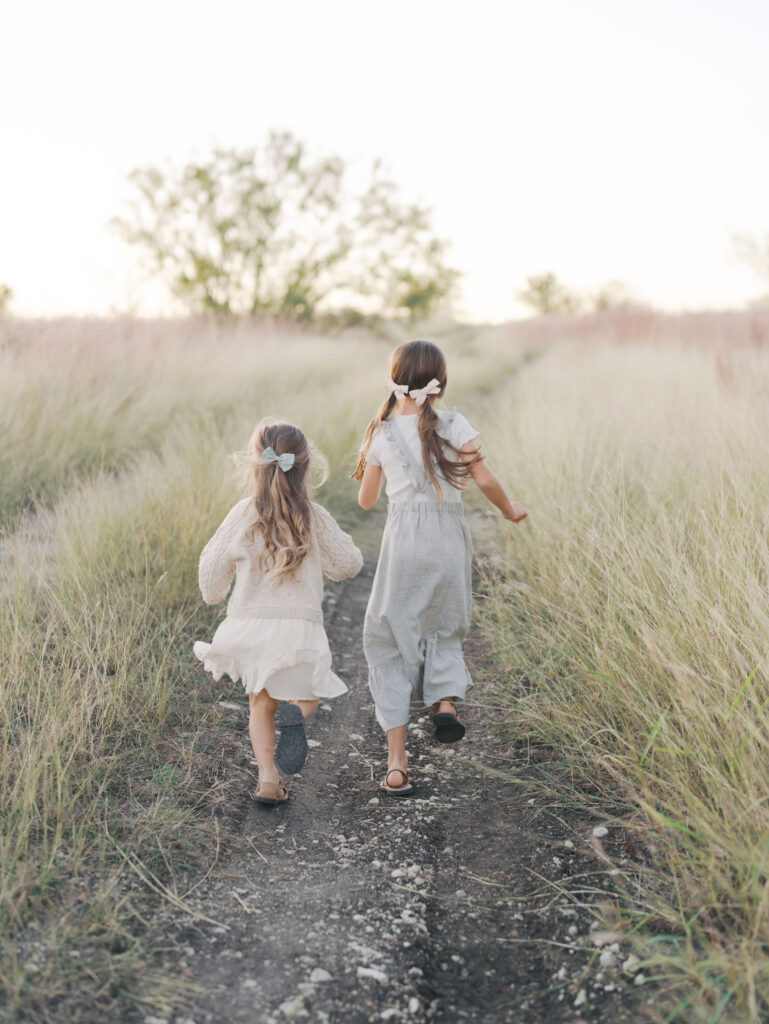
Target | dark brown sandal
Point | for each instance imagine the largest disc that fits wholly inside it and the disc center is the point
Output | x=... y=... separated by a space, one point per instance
x=270 y=794
x=404 y=790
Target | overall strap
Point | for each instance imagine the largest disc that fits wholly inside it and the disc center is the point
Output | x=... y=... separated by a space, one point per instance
x=409 y=461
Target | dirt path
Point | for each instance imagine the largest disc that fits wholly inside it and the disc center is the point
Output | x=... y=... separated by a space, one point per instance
x=460 y=904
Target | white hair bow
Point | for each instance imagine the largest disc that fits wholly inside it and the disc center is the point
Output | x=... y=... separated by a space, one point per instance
x=285 y=460
x=397 y=389
x=420 y=394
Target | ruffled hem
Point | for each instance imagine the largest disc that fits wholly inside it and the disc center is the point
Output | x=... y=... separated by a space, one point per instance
x=297 y=678
x=290 y=661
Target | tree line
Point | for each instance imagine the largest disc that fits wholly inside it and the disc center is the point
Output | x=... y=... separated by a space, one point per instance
x=274 y=230
x=544 y=294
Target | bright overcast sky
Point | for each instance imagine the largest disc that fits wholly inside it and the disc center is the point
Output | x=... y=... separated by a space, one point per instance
x=599 y=139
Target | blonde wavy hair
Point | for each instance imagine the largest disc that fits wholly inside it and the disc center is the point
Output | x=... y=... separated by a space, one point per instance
x=281 y=499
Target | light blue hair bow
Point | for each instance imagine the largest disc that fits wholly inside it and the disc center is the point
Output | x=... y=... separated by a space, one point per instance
x=285 y=461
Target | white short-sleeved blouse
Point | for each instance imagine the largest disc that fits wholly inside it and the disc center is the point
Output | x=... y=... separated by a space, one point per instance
x=453 y=427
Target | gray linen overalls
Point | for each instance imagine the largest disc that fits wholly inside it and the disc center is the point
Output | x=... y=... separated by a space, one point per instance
x=420 y=604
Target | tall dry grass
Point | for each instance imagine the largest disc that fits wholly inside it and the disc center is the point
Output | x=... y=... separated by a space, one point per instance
x=121 y=433
x=78 y=397
x=82 y=397
x=630 y=626
x=716 y=330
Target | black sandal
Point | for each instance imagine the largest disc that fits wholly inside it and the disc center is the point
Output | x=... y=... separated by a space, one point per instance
x=291 y=751
x=448 y=728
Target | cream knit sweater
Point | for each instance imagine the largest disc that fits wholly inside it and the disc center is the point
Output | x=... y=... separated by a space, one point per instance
x=229 y=553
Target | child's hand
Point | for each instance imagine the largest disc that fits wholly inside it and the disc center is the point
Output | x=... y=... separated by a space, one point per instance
x=517 y=512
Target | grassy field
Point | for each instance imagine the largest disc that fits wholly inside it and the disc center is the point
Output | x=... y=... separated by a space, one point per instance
x=628 y=620
x=630 y=629
x=115 y=470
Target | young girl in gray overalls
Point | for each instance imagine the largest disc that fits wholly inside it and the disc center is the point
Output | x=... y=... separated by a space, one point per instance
x=419 y=610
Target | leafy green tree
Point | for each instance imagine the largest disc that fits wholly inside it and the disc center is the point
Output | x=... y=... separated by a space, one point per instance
x=6 y=297
x=273 y=230
x=544 y=293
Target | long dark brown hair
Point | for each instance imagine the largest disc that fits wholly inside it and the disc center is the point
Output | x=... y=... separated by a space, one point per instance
x=281 y=499
x=415 y=364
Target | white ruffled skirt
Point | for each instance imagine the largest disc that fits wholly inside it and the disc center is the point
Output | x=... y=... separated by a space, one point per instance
x=289 y=658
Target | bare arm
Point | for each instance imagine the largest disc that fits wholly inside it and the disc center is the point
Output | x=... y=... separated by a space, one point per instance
x=491 y=486
x=370 y=486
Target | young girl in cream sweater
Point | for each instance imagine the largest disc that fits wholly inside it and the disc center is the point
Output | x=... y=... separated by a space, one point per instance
x=277 y=544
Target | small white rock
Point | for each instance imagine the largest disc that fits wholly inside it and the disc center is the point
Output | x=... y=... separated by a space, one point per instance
x=249 y=983
x=639 y=979
x=356 y=737
x=155 y=1020
x=365 y=952
x=313 y=743
x=600 y=831
x=319 y=975
x=568 y=844
x=414 y=1005
x=374 y=800
x=630 y=966
x=292 y=1007
x=372 y=972
x=607 y=958
x=581 y=998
